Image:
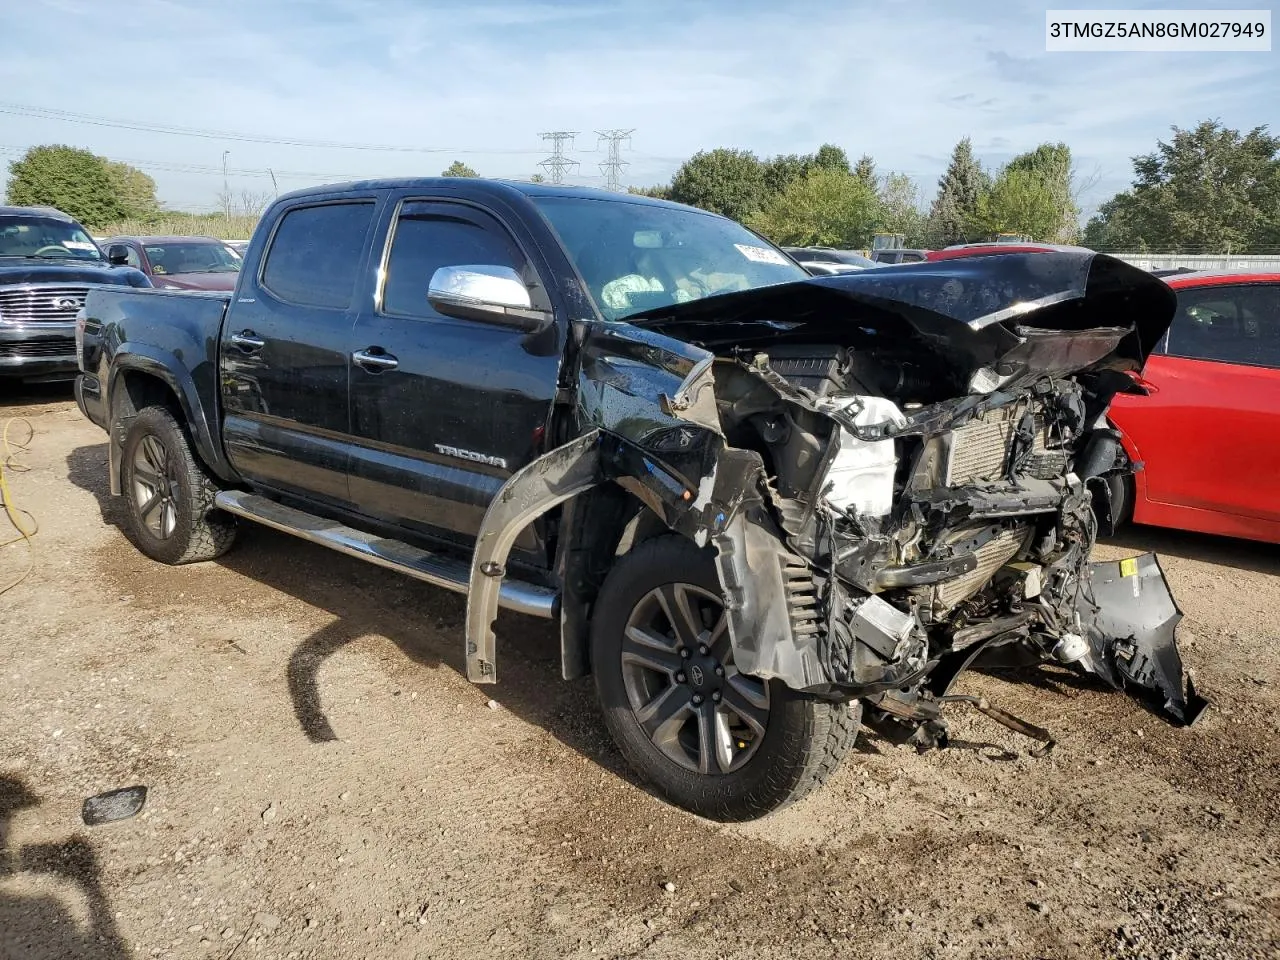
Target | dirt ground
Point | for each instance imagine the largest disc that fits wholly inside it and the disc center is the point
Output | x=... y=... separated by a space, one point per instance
x=325 y=783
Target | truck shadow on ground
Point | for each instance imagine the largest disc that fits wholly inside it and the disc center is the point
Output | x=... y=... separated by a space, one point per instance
x=426 y=623
x=40 y=925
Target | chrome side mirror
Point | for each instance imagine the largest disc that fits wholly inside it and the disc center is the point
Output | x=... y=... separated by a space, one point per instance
x=488 y=293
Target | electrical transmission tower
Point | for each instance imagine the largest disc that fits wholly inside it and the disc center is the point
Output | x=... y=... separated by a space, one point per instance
x=558 y=163
x=613 y=166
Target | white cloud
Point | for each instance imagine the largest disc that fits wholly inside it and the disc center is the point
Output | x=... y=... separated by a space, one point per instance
x=901 y=81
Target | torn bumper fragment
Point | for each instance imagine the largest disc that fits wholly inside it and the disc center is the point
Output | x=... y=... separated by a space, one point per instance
x=1132 y=620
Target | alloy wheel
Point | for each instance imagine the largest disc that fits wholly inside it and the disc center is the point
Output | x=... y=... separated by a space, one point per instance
x=683 y=686
x=155 y=487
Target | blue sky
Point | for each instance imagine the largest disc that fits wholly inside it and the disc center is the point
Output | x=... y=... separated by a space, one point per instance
x=902 y=80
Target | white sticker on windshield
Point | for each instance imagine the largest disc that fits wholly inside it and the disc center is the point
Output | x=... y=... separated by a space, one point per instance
x=761 y=254
x=78 y=245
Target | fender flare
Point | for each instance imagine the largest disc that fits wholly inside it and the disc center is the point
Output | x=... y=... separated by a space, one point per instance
x=547 y=482
x=595 y=458
x=169 y=370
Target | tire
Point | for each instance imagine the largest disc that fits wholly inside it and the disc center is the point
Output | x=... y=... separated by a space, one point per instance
x=1123 y=490
x=749 y=746
x=1119 y=494
x=170 y=494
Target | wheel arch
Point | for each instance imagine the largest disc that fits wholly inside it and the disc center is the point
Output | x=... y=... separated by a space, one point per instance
x=143 y=376
x=600 y=526
x=615 y=495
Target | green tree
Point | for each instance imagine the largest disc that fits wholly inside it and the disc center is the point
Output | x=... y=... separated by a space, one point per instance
x=729 y=182
x=784 y=169
x=1019 y=201
x=827 y=208
x=1050 y=164
x=1210 y=189
x=658 y=191
x=537 y=178
x=866 y=171
x=951 y=217
x=135 y=191
x=458 y=169
x=73 y=180
x=831 y=157
x=900 y=209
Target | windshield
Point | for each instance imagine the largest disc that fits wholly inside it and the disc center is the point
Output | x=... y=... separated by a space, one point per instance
x=636 y=256
x=179 y=257
x=44 y=237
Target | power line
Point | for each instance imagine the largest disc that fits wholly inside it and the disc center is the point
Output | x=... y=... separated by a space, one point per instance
x=67 y=116
x=612 y=167
x=558 y=163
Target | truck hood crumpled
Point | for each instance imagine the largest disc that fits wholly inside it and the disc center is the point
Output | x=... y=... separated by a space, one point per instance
x=980 y=311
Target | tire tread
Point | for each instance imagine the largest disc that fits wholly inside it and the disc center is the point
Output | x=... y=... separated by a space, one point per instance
x=211 y=532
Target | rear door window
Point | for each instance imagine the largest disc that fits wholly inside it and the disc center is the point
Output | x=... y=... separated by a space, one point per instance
x=315 y=255
x=1229 y=324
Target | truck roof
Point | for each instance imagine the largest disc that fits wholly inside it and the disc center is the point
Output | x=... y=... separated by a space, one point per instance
x=53 y=213
x=481 y=186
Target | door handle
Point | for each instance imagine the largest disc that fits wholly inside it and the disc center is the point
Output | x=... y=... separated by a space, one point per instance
x=375 y=362
x=248 y=341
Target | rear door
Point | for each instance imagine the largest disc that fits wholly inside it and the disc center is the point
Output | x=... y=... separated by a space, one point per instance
x=285 y=349
x=450 y=408
x=1210 y=431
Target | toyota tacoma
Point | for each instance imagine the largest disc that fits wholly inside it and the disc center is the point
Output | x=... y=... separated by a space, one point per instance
x=762 y=507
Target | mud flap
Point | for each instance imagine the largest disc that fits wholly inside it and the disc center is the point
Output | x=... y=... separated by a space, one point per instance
x=1131 y=623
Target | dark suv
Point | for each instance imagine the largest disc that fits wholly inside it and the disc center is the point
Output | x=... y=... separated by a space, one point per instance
x=48 y=262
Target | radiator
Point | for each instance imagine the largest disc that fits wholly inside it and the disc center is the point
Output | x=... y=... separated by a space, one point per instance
x=980 y=449
x=992 y=555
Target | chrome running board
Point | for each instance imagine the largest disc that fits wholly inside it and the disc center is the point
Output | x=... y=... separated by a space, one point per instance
x=441 y=571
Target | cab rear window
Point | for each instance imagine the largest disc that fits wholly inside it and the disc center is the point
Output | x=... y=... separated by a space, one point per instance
x=315 y=254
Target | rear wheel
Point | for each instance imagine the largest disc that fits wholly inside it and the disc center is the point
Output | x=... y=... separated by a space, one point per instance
x=710 y=738
x=170 y=494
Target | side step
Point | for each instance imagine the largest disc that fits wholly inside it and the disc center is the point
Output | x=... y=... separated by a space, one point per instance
x=441 y=571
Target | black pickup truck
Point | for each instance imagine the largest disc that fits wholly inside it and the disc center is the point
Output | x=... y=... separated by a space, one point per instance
x=763 y=507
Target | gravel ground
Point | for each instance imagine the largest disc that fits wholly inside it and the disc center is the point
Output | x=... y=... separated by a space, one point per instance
x=324 y=783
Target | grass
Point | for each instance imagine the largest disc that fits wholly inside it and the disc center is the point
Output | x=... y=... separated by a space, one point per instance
x=184 y=225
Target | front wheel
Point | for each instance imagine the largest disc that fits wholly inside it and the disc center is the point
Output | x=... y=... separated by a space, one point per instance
x=170 y=495
x=711 y=739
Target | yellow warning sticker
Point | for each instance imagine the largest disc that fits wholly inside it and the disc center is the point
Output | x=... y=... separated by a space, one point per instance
x=1129 y=567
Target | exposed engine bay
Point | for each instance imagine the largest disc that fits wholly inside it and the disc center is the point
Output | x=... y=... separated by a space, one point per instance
x=930 y=535
x=898 y=471
x=929 y=497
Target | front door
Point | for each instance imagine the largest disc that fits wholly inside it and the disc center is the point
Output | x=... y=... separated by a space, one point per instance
x=443 y=410
x=1209 y=433
x=285 y=351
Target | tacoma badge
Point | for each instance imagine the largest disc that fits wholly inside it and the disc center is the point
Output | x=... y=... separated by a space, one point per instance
x=471 y=455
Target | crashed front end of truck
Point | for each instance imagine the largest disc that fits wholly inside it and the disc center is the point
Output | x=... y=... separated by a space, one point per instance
x=897 y=470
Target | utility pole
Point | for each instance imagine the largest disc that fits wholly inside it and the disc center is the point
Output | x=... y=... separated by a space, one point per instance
x=614 y=164
x=226 y=188
x=558 y=163
x=275 y=189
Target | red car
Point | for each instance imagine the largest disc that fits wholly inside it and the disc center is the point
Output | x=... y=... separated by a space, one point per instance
x=178 y=263
x=1208 y=434
x=993 y=249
